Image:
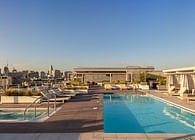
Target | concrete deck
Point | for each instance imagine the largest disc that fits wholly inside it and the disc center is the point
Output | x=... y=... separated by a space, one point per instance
x=83 y=113
x=95 y=136
x=173 y=99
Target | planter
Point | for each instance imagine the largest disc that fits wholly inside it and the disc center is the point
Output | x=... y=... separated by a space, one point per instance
x=18 y=99
x=87 y=87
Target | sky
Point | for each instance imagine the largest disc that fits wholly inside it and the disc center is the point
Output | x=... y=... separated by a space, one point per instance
x=97 y=33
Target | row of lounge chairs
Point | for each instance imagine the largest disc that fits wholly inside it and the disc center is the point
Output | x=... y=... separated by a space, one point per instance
x=126 y=87
x=56 y=95
x=118 y=87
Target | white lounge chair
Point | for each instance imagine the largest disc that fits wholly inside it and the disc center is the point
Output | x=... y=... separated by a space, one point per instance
x=115 y=86
x=108 y=86
x=186 y=96
x=61 y=94
x=67 y=92
x=51 y=97
x=171 y=89
x=144 y=87
x=125 y=87
x=179 y=93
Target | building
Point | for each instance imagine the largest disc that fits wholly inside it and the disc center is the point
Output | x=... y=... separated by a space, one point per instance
x=6 y=70
x=51 y=71
x=57 y=74
x=33 y=75
x=181 y=77
x=43 y=75
x=5 y=82
x=68 y=75
x=110 y=74
x=18 y=77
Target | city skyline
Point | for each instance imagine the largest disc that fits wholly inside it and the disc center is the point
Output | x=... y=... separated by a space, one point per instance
x=99 y=33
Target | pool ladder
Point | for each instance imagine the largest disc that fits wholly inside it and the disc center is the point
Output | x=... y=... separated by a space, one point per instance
x=35 y=106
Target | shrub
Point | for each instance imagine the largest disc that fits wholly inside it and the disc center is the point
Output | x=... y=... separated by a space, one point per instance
x=73 y=88
x=69 y=88
x=16 y=92
x=161 y=80
x=81 y=87
x=123 y=82
x=115 y=82
x=27 y=93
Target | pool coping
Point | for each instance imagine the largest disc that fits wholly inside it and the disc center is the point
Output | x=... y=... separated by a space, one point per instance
x=169 y=102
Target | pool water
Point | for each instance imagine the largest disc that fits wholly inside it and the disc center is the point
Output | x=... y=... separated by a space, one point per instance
x=19 y=114
x=144 y=114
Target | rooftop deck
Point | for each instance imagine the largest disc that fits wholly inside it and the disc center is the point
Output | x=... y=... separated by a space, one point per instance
x=82 y=118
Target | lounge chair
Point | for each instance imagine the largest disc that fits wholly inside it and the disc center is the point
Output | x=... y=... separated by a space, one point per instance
x=190 y=98
x=179 y=93
x=67 y=92
x=172 y=92
x=51 y=97
x=171 y=89
x=115 y=87
x=108 y=86
x=61 y=94
x=187 y=97
x=125 y=87
x=143 y=87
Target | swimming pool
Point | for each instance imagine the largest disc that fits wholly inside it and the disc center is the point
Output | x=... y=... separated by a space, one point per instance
x=144 y=114
x=18 y=114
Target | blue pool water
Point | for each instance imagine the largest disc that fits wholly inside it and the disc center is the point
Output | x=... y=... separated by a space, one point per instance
x=19 y=114
x=144 y=114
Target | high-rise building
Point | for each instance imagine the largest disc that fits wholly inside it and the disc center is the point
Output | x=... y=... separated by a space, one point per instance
x=51 y=70
x=43 y=75
x=57 y=74
x=6 y=70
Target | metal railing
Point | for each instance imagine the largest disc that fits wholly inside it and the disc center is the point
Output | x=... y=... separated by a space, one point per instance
x=35 y=106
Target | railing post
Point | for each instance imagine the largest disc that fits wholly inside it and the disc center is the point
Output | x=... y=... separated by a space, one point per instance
x=55 y=104
x=24 y=115
x=35 y=110
x=48 y=107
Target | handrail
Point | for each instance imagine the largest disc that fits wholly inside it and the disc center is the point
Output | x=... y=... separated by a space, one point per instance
x=30 y=106
x=34 y=102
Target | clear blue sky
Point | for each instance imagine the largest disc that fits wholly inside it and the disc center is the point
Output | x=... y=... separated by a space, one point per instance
x=87 y=33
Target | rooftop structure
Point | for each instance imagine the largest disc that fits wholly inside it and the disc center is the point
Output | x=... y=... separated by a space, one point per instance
x=5 y=82
x=110 y=74
x=184 y=77
x=180 y=70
